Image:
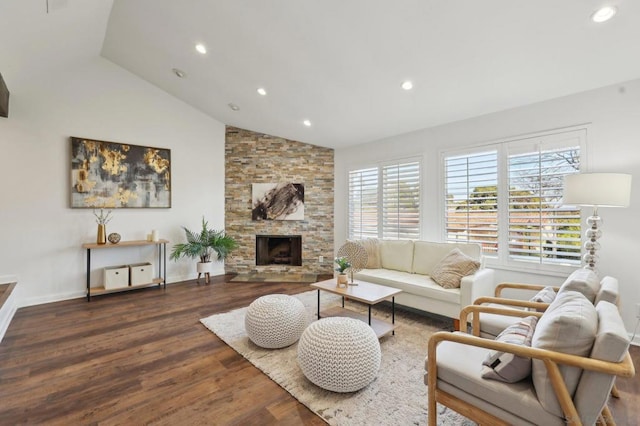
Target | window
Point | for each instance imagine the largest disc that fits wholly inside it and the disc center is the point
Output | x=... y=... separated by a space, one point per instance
x=507 y=197
x=384 y=201
x=471 y=205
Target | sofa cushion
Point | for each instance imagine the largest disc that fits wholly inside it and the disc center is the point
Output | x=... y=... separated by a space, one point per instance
x=583 y=280
x=396 y=255
x=427 y=254
x=505 y=366
x=569 y=325
x=414 y=284
x=455 y=265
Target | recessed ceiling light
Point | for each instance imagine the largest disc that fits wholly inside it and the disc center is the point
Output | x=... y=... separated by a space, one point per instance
x=179 y=72
x=604 y=14
x=307 y=123
x=407 y=85
x=261 y=91
x=201 y=48
x=234 y=106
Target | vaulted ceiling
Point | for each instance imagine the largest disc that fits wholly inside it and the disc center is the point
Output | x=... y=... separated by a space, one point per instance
x=337 y=63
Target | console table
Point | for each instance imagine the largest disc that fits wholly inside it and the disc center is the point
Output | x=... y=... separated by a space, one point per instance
x=161 y=246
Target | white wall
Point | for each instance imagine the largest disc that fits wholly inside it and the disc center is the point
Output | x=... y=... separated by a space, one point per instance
x=613 y=145
x=41 y=234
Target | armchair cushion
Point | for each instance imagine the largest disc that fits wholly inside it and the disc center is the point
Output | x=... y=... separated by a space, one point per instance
x=584 y=281
x=569 y=325
x=453 y=267
x=506 y=366
x=608 y=291
x=611 y=344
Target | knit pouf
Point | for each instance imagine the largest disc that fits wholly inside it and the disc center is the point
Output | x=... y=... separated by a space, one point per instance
x=275 y=321
x=339 y=354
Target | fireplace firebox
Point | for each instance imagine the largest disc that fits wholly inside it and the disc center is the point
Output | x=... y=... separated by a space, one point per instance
x=279 y=250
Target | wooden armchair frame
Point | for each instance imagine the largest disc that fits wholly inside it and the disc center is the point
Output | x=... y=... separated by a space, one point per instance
x=520 y=286
x=552 y=361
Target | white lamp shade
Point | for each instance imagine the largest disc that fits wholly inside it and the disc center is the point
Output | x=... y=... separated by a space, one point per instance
x=597 y=189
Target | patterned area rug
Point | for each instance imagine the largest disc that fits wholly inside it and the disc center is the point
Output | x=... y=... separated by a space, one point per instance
x=398 y=395
x=275 y=278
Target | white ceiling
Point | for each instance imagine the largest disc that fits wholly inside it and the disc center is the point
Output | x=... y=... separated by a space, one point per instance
x=338 y=63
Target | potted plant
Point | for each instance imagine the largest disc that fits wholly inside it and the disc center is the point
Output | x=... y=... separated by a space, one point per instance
x=343 y=264
x=202 y=245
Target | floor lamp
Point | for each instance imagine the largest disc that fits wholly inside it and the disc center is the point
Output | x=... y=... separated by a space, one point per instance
x=596 y=190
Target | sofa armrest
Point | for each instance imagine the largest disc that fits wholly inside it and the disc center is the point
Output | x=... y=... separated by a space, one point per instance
x=480 y=284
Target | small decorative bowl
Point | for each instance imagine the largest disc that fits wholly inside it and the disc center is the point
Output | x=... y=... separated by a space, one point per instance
x=114 y=238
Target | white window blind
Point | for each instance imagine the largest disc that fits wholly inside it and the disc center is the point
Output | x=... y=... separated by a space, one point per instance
x=401 y=201
x=363 y=203
x=471 y=204
x=541 y=229
x=384 y=201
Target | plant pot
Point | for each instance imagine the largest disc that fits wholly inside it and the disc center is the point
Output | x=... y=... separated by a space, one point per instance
x=204 y=267
x=342 y=280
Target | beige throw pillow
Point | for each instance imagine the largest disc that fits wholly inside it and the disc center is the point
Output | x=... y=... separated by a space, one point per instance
x=372 y=247
x=452 y=268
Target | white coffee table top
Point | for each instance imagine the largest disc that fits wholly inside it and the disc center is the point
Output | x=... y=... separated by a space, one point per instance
x=365 y=292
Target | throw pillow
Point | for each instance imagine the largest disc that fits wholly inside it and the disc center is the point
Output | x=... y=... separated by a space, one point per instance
x=546 y=295
x=372 y=247
x=452 y=268
x=505 y=366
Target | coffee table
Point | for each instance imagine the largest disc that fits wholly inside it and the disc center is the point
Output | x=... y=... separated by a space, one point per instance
x=364 y=292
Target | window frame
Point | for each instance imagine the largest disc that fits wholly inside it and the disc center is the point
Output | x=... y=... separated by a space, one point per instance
x=380 y=167
x=504 y=147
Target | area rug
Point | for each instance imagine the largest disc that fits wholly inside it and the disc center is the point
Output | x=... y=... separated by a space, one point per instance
x=398 y=395
x=275 y=278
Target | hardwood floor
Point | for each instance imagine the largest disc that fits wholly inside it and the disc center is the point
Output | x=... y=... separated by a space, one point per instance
x=143 y=357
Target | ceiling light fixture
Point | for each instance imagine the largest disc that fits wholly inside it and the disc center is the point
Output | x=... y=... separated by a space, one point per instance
x=407 y=85
x=234 y=106
x=179 y=72
x=261 y=91
x=604 y=14
x=307 y=123
x=201 y=48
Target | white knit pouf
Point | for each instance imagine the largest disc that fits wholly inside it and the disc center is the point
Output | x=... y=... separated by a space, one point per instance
x=275 y=321
x=339 y=354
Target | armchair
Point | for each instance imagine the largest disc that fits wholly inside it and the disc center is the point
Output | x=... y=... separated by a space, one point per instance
x=575 y=358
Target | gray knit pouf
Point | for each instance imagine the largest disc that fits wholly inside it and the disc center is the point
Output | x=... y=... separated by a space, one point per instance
x=275 y=321
x=339 y=354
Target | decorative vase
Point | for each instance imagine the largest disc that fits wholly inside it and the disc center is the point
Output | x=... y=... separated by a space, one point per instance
x=102 y=234
x=342 y=280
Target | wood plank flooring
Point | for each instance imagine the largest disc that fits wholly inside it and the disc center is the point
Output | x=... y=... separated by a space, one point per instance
x=142 y=357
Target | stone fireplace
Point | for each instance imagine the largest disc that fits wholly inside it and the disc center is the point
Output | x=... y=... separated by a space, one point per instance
x=279 y=250
x=252 y=158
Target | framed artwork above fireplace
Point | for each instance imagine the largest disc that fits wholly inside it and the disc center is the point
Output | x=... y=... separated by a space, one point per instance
x=277 y=201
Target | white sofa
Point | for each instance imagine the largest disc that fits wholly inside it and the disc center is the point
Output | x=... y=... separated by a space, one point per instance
x=407 y=265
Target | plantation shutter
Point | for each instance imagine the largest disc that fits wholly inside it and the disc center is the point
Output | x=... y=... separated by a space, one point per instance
x=471 y=199
x=401 y=201
x=363 y=203
x=541 y=229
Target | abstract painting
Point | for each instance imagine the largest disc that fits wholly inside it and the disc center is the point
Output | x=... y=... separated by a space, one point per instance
x=277 y=201
x=116 y=175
